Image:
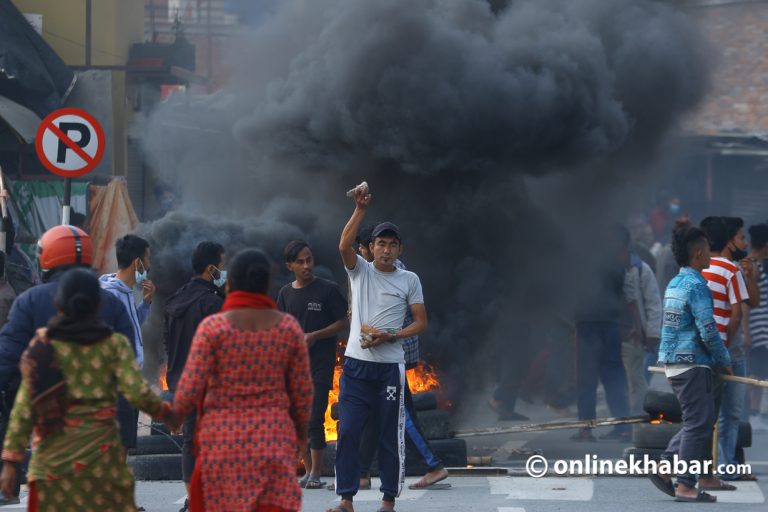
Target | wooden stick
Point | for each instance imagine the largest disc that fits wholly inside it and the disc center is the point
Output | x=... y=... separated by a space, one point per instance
x=727 y=378
x=539 y=427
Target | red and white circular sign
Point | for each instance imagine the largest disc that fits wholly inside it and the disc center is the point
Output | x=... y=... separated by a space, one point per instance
x=70 y=142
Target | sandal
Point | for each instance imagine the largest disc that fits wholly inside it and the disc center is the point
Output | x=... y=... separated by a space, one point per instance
x=665 y=486
x=701 y=497
x=314 y=482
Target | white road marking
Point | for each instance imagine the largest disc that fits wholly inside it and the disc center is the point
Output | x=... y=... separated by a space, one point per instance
x=559 y=489
x=747 y=492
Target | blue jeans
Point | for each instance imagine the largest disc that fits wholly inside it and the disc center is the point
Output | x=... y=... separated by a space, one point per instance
x=732 y=406
x=599 y=357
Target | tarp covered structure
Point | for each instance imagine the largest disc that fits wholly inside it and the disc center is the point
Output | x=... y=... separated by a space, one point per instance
x=31 y=73
x=36 y=207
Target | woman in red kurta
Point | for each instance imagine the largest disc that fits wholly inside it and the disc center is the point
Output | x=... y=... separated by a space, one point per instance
x=248 y=374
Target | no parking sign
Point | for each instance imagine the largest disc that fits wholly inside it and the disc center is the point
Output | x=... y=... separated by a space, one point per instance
x=70 y=142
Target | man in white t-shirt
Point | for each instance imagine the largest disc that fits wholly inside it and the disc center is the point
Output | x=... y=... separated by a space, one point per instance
x=374 y=368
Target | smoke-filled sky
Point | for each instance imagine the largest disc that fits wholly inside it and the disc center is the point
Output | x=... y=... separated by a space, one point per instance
x=452 y=112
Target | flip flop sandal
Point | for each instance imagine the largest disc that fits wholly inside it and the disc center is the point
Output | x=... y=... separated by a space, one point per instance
x=303 y=481
x=702 y=497
x=665 y=486
x=722 y=487
x=434 y=485
x=315 y=483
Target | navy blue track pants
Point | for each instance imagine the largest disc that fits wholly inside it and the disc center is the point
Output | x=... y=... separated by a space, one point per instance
x=374 y=390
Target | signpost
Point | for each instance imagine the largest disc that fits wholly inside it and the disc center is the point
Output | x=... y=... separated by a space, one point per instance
x=69 y=143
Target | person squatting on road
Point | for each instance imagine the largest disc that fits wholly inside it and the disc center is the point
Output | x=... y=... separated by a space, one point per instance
x=71 y=374
x=60 y=248
x=690 y=349
x=248 y=375
x=321 y=310
x=373 y=378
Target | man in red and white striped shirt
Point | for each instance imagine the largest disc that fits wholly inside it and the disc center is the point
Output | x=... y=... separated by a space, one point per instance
x=729 y=290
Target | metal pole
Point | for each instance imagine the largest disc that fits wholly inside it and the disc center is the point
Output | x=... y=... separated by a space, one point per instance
x=540 y=427
x=88 y=42
x=67 y=200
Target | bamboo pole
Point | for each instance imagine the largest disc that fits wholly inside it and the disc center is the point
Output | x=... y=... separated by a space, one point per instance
x=539 y=427
x=727 y=378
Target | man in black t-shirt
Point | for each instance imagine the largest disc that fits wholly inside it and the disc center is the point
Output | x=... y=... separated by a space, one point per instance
x=321 y=310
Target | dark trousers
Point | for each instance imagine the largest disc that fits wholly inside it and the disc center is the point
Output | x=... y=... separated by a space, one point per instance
x=599 y=358
x=371 y=390
x=317 y=418
x=695 y=392
x=414 y=437
x=513 y=371
x=188 y=446
x=128 y=419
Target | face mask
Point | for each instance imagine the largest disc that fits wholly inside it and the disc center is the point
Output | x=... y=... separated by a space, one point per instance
x=140 y=276
x=737 y=254
x=219 y=282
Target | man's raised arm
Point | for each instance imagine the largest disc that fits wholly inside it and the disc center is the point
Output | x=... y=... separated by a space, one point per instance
x=347 y=242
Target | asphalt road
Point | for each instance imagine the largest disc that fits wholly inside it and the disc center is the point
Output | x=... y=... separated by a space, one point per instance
x=515 y=492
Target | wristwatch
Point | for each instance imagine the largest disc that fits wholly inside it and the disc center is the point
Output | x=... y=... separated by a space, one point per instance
x=393 y=333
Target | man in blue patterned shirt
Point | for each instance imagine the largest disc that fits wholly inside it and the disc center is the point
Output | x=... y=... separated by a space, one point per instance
x=691 y=350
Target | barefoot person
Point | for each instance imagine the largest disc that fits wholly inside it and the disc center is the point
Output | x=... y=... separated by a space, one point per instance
x=373 y=378
x=71 y=374
x=691 y=349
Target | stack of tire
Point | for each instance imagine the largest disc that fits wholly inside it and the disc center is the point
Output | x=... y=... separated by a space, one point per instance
x=435 y=424
x=158 y=455
x=651 y=438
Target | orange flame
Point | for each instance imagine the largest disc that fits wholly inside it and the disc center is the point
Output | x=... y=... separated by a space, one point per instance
x=659 y=420
x=161 y=380
x=420 y=379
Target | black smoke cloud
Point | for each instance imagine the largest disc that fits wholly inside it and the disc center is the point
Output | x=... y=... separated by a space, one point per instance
x=433 y=86
x=450 y=110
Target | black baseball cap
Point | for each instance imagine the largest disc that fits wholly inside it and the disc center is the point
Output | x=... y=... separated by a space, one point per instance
x=386 y=228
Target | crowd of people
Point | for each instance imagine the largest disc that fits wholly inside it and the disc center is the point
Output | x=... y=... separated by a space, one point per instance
x=249 y=376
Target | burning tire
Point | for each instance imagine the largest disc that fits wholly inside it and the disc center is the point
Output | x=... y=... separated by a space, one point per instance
x=425 y=401
x=452 y=453
x=662 y=404
x=157 y=445
x=654 y=435
x=156 y=467
x=435 y=424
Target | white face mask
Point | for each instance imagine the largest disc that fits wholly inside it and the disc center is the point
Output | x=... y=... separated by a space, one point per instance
x=140 y=276
x=221 y=279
